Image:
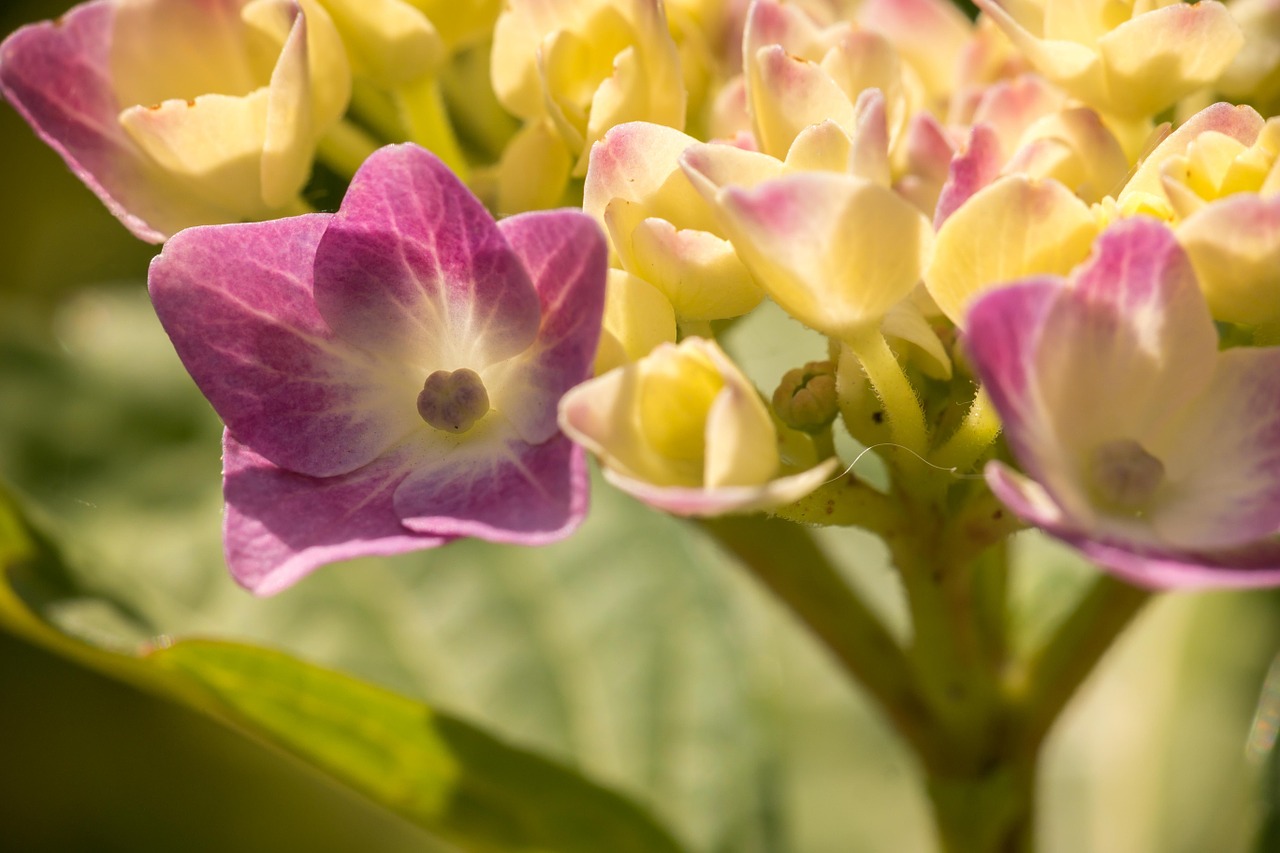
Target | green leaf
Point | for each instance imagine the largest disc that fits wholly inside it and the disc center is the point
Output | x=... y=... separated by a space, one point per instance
x=439 y=771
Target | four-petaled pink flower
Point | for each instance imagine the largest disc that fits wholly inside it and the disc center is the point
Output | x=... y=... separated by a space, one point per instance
x=388 y=374
x=1143 y=446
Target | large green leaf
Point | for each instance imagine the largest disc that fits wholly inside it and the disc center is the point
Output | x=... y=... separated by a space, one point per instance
x=435 y=769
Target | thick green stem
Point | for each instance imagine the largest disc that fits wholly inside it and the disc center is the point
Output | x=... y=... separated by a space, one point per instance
x=1061 y=665
x=989 y=812
x=948 y=648
x=784 y=557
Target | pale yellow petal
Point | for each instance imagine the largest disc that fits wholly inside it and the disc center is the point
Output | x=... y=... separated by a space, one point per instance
x=1012 y=228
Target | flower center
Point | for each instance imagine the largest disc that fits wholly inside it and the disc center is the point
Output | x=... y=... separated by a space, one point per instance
x=453 y=400
x=1124 y=475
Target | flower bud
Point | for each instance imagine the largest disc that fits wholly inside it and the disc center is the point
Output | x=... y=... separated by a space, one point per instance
x=806 y=399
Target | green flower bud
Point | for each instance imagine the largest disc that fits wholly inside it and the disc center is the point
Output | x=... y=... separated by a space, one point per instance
x=806 y=397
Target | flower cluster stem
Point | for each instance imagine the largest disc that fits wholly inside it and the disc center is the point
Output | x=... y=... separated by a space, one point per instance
x=975 y=716
x=423 y=111
x=901 y=403
x=977 y=432
x=785 y=559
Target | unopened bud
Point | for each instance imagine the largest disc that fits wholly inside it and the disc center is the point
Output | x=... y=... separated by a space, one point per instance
x=806 y=397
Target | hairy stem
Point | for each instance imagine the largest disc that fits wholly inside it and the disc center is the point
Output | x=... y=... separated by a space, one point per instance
x=901 y=403
x=977 y=432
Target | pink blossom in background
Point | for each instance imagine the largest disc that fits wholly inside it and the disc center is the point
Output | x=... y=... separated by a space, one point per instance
x=1141 y=445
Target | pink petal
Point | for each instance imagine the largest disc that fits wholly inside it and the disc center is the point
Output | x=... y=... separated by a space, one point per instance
x=57 y=75
x=692 y=501
x=1004 y=327
x=1225 y=464
x=1257 y=565
x=564 y=253
x=280 y=526
x=413 y=266
x=237 y=302
x=502 y=490
x=971 y=170
x=1253 y=565
x=1142 y=342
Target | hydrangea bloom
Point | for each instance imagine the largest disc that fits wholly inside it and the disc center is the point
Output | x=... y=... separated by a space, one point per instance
x=173 y=112
x=388 y=374
x=1144 y=447
x=684 y=430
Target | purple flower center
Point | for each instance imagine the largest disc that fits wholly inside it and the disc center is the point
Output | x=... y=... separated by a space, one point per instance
x=1125 y=476
x=453 y=400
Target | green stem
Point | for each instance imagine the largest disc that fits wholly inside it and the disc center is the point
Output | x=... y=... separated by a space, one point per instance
x=1060 y=666
x=946 y=650
x=844 y=502
x=989 y=812
x=977 y=432
x=901 y=403
x=824 y=442
x=345 y=147
x=423 y=111
x=784 y=557
x=1267 y=335
x=376 y=110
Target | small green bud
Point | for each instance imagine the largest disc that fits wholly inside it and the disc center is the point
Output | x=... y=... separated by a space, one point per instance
x=806 y=397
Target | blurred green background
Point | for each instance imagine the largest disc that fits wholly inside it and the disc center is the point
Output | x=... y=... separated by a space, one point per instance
x=632 y=651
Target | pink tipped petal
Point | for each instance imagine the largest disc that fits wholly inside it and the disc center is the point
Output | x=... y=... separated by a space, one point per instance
x=1234 y=245
x=869 y=157
x=1241 y=123
x=971 y=170
x=1159 y=56
x=280 y=526
x=1004 y=327
x=685 y=501
x=834 y=251
x=236 y=300
x=1142 y=340
x=930 y=33
x=636 y=162
x=57 y=74
x=413 y=266
x=1144 y=447
x=793 y=94
x=1011 y=106
x=1043 y=228
x=929 y=148
x=564 y=254
x=516 y=492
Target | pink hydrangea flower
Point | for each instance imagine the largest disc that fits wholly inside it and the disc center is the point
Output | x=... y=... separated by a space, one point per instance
x=1142 y=445
x=388 y=374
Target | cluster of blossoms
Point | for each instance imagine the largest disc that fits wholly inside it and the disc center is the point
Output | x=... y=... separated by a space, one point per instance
x=1040 y=224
